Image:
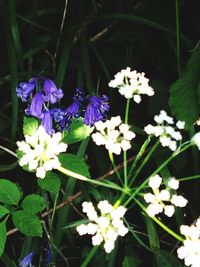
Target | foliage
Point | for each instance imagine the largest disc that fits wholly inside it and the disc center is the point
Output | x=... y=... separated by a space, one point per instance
x=83 y=44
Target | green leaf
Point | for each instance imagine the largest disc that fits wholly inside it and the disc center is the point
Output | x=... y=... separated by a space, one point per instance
x=184 y=95
x=74 y=163
x=152 y=233
x=50 y=183
x=79 y=131
x=34 y=203
x=3 y=211
x=165 y=259
x=75 y=224
x=9 y=192
x=30 y=126
x=2 y=236
x=131 y=259
x=27 y=223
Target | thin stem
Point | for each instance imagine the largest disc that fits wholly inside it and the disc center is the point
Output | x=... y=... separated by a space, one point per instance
x=86 y=179
x=8 y=151
x=54 y=209
x=125 y=153
x=90 y=256
x=176 y=153
x=114 y=166
x=178 y=38
x=189 y=178
x=148 y=156
x=167 y=229
x=139 y=155
x=53 y=245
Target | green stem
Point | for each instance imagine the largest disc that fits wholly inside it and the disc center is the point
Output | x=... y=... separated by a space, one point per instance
x=127 y=110
x=114 y=166
x=189 y=178
x=167 y=229
x=178 y=38
x=176 y=153
x=148 y=156
x=90 y=256
x=54 y=246
x=139 y=155
x=54 y=209
x=86 y=179
x=125 y=153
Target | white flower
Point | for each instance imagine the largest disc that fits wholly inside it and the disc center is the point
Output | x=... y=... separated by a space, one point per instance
x=169 y=210
x=154 y=209
x=190 y=251
x=164 y=195
x=163 y=200
x=131 y=84
x=115 y=140
x=155 y=181
x=105 y=227
x=179 y=201
x=196 y=140
x=180 y=125
x=168 y=134
x=173 y=183
x=40 y=151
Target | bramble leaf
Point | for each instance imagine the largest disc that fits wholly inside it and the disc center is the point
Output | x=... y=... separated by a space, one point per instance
x=30 y=126
x=9 y=192
x=2 y=236
x=27 y=223
x=79 y=131
x=50 y=183
x=184 y=93
x=74 y=163
x=34 y=203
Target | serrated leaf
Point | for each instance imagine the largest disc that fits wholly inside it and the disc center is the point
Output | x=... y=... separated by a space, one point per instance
x=9 y=192
x=3 y=211
x=50 y=183
x=34 y=203
x=74 y=163
x=27 y=223
x=184 y=96
x=165 y=259
x=78 y=132
x=2 y=236
x=30 y=126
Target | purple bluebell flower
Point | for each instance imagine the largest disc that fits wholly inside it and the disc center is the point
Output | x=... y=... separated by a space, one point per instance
x=47 y=122
x=35 y=109
x=52 y=93
x=25 y=89
x=96 y=109
x=58 y=114
x=27 y=260
x=48 y=256
x=79 y=95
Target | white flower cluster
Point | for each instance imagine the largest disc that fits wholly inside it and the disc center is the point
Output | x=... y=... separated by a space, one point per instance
x=168 y=134
x=40 y=151
x=115 y=140
x=190 y=251
x=106 y=227
x=196 y=140
x=159 y=197
x=132 y=84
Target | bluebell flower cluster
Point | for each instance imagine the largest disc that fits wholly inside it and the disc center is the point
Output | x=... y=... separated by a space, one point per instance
x=42 y=97
x=27 y=260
